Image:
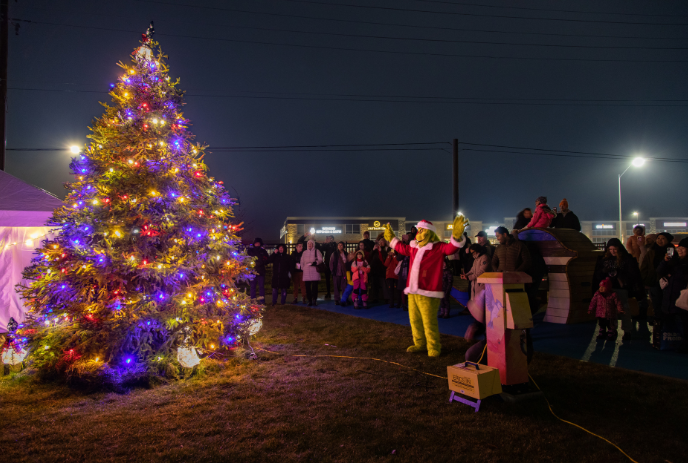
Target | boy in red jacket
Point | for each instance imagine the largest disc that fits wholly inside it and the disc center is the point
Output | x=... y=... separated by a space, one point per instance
x=424 y=285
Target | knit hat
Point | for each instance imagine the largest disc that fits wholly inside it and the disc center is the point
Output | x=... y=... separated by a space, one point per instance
x=606 y=284
x=258 y=240
x=667 y=235
x=616 y=242
x=542 y=199
x=683 y=243
x=427 y=225
x=564 y=204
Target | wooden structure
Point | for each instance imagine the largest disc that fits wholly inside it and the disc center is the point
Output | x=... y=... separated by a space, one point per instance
x=507 y=313
x=570 y=257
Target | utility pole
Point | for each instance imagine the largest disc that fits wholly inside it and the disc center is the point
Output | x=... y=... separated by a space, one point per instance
x=4 y=17
x=455 y=145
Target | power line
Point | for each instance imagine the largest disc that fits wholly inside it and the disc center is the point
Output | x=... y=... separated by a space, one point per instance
x=375 y=146
x=482 y=5
x=479 y=15
x=612 y=158
x=395 y=24
x=330 y=97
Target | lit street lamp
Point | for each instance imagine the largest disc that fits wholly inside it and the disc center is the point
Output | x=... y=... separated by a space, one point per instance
x=637 y=162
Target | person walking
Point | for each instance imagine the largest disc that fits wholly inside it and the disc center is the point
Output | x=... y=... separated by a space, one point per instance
x=543 y=215
x=675 y=270
x=338 y=267
x=622 y=269
x=565 y=218
x=392 y=279
x=261 y=256
x=310 y=259
x=523 y=218
x=297 y=274
x=328 y=248
x=281 y=266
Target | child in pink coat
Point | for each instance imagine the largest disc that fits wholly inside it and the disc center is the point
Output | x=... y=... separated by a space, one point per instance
x=359 y=274
x=543 y=214
x=606 y=306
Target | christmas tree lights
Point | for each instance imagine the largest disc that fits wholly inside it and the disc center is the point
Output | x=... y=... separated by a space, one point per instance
x=144 y=268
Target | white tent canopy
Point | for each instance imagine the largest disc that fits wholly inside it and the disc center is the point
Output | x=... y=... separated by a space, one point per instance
x=24 y=211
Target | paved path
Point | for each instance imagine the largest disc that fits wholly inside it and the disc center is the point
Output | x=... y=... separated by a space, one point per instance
x=575 y=341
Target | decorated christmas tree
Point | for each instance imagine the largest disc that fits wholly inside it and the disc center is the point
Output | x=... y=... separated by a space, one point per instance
x=142 y=274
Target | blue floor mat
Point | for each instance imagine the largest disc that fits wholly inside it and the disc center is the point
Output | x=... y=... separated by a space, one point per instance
x=575 y=341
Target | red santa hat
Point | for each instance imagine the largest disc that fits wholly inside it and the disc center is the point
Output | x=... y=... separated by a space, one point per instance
x=427 y=225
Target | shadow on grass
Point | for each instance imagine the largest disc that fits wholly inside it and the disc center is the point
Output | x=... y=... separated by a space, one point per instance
x=286 y=408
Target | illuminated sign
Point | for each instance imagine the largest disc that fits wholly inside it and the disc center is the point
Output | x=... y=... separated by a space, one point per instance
x=674 y=224
x=376 y=226
x=329 y=230
x=604 y=227
x=376 y=223
x=450 y=226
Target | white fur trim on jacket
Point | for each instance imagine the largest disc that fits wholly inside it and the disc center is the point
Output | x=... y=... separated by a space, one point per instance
x=412 y=287
x=394 y=242
x=458 y=244
x=427 y=225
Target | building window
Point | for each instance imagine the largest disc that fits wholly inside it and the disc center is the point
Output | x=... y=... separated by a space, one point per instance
x=353 y=229
x=300 y=229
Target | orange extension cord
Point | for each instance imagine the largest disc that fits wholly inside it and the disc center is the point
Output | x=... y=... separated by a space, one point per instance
x=444 y=377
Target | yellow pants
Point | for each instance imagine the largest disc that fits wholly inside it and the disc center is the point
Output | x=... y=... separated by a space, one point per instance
x=423 y=318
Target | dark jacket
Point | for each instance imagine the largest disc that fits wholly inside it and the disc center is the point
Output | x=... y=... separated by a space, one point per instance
x=336 y=266
x=281 y=266
x=261 y=256
x=377 y=262
x=511 y=257
x=651 y=262
x=570 y=220
x=624 y=274
x=295 y=259
x=403 y=270
x=521 y=221
x=678 y=269
x=327 y=249
x=368 y=243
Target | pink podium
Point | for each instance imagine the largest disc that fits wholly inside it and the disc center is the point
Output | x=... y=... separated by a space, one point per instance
x=507 y=312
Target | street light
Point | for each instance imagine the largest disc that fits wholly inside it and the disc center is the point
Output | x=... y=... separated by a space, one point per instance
x=637 y=162
x=74 y=149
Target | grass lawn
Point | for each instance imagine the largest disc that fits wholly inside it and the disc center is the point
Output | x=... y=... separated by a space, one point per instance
x=284 y=408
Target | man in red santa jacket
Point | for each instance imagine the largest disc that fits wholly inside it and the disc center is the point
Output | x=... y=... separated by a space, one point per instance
x=424 y=286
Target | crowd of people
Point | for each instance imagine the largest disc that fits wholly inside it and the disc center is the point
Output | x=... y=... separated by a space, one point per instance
x=645 y=268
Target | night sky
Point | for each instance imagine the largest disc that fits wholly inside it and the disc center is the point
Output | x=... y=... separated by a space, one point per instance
x=248 y=94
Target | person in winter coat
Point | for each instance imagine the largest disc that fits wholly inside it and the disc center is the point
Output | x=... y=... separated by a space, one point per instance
x=543 y=215
x=622 y=269
x=297 y=274
x=310 y=259
x=376 y=279
x=675 y=269
x=484 y=242
x=328 y=248
x=635 y=244
x=362 y=248
x=392 y=279
x=476 y=304
x=349 y=280
x=367 y=242
x=424 y=286
x=511 y=255
x=565 y=218
x=261 y=256
x=359 y=271
x=281 y=266
x=654 y=256
x=338 y=267
x=447 y=284
x=403 y=275
x=606 y=306
x=523 y=218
